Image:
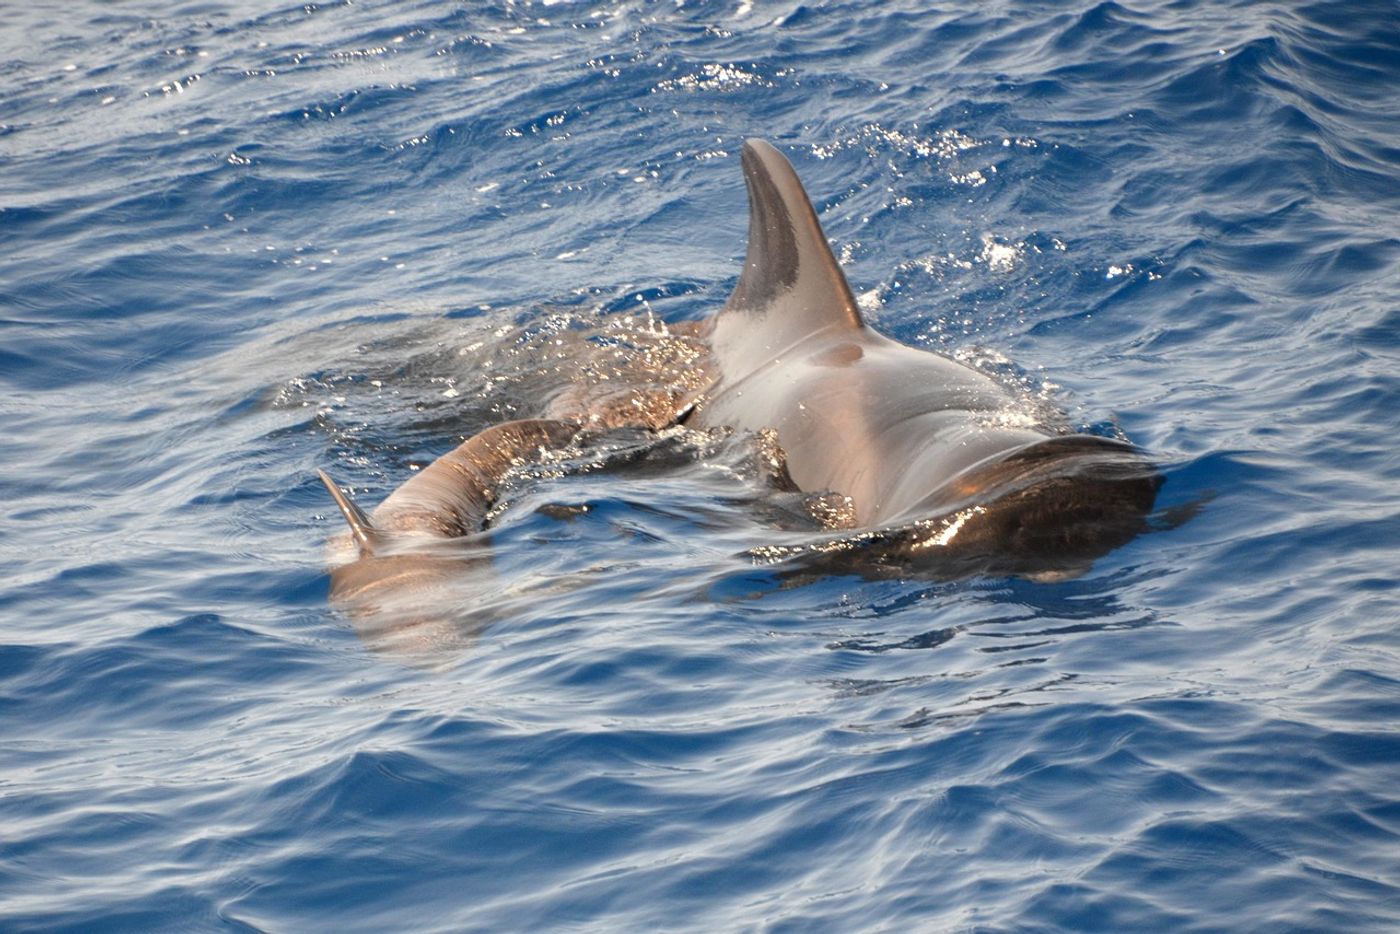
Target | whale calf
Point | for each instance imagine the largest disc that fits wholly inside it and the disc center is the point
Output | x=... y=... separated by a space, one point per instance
x=413 y=567
x=937 y=467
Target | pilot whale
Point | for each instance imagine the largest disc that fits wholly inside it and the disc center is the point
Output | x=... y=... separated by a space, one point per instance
x=939 y=468
x=938 y=459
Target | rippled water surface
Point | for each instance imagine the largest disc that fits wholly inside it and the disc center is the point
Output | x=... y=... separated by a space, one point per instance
x=239 y=242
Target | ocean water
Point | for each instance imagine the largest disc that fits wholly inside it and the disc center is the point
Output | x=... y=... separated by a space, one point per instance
x=239 y=242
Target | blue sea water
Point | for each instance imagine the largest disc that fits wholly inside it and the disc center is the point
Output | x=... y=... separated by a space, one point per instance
x=239 y=242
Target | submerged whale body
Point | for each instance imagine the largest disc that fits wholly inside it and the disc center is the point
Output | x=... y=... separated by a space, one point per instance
x=937 y=466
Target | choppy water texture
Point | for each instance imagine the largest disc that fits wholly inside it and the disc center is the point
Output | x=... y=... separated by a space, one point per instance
x=242 y=241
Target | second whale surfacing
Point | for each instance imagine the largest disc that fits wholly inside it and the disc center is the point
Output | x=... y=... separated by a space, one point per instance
x=936 y=466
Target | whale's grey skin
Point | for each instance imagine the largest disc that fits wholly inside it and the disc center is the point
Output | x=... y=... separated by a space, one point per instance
x=927 y=466
x=945 y=462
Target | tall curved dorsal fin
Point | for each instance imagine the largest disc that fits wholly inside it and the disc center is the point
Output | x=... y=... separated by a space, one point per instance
x=792 y=285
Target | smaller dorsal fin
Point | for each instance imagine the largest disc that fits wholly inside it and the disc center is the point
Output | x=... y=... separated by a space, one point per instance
x=361 y=529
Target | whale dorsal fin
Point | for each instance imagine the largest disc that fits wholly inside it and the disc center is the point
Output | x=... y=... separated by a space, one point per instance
x=364 y=533
x=792 y=285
